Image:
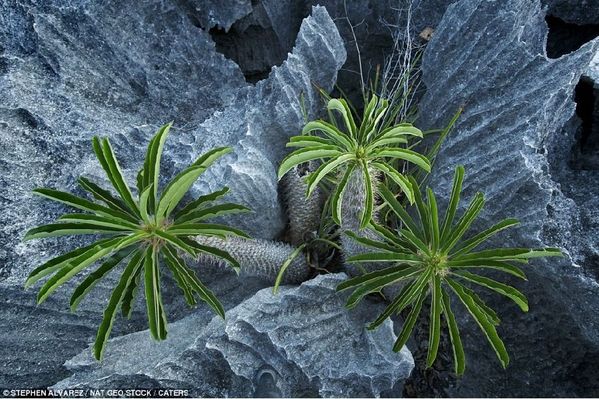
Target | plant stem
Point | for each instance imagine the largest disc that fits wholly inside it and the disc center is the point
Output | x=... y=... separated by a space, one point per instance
x=261 y=258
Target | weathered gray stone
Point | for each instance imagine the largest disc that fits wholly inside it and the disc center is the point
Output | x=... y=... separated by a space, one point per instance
x=515 y=140
x=299 y=342
x=69 y=70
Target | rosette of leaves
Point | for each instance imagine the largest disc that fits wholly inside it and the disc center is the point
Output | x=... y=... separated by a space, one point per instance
x=142 y=231
x=369 y=147
x=432 y=258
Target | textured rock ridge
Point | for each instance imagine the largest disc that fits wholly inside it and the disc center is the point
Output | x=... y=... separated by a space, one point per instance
x=514 y=140
x=301 y=342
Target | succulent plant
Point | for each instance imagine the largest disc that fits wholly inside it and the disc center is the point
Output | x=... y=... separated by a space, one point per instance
x=432 y=258
x=371 y=145
x=142 y=231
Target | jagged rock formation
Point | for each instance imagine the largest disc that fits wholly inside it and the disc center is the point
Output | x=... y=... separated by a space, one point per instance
x=515 y=138
x=70 y=71
x=300 y=342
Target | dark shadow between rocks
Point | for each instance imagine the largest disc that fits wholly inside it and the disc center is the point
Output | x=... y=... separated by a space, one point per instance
x=564 y=38
x=254 y=48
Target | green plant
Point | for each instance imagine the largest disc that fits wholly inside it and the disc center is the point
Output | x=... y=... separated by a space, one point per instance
x=369 y=146
x=140 y=231
x=433 y=258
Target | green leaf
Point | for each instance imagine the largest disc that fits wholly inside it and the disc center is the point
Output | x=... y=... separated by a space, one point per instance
x=459 y=358
x=62 y=229
x=496 y=286
x=210 y=212
x=74 y=266
x=153 y=297
x=337 y=198
x=58 y=262
x=369 y=196
x=469 y=216
x=177 y=188
x=398 y=178
x=410 y=321
x=113 y=303
x=331 y=131
x=433 y=215
x=104 y=195
x=405 y=298
x=102 y=221
x=90 y=281
x=306 y=154
x=180 y=278
x=399 y=130
x=176 y=242
x=367 y=242
x=510 y=254
x=115 y=174
x=203 y=292
x=478 y=239
x=377 y=284
x=415 y=241
x=483 y=322
x=489 y=313
x=81 y=203
x=144 y=203
x=198 y=203
x=151 y=169
x=422 y=210
x=359 y=280
x=296 y=252
x=386 y=257
x=487 y=264
x=454 y=200
x=308 y=141
x=130 y=295
x=326 y=168
x=341 y=106
x=435 y=322
x=407 y=155
x=399 y=210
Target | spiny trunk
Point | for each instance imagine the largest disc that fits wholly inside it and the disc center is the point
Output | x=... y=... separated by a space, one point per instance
x=259 y=258
x=304 y=213
x=353 y=201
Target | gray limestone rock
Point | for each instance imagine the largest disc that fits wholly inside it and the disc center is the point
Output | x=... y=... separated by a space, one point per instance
x=515 y=138
x=69 y=70
x=299 y=342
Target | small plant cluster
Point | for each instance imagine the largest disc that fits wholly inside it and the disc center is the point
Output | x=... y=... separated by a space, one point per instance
x=141 y=231
x=432 y=258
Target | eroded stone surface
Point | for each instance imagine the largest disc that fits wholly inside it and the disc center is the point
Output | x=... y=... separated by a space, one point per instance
x=301 y=342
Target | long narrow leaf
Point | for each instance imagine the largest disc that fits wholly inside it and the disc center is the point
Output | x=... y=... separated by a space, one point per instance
x=90 y=281
x=459 y=358
x=306 y=154
x=198 y=203
x=483 y=322
x=496 y=286
x=337 y=197
x=454 y=200
x=410 y=321
x=204 y=293
x=113 y=303
x=58 y=262
x=435 y=322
